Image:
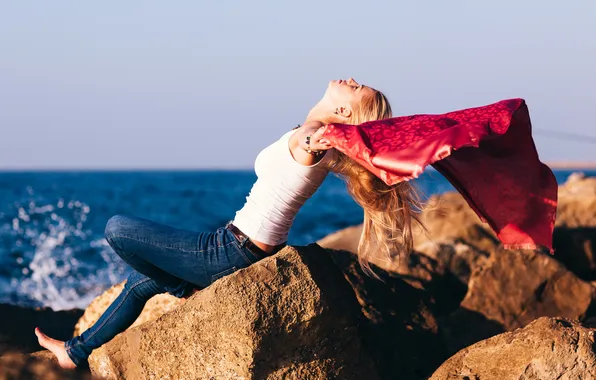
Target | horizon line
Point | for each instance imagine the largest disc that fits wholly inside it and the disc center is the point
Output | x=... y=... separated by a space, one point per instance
x=569 y=165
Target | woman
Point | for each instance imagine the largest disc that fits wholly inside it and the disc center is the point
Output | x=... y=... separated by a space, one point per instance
x=289 y=171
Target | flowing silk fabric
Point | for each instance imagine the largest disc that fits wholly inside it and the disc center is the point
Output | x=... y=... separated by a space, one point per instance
x=487 y=153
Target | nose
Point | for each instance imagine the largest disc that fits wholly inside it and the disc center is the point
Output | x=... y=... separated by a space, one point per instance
x=352 y=81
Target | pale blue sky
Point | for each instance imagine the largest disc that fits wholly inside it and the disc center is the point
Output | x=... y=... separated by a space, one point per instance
x=195 y=84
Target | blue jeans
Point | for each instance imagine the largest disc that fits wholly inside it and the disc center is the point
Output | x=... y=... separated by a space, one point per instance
x=164 y=259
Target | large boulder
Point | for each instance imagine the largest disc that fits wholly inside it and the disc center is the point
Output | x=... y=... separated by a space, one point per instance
x=513 y=288
x=17 y=330
x=549 y=348
x=290 y=316
x=517 y=286
x=154 y=308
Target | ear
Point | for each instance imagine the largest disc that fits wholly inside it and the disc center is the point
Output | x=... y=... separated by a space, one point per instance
x=343 y=111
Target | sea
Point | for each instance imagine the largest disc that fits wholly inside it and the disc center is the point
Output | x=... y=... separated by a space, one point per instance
x=52 y=247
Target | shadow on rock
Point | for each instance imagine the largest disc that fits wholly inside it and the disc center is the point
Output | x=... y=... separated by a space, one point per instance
x=574 y=247
x=465 y=327
x=401 y=332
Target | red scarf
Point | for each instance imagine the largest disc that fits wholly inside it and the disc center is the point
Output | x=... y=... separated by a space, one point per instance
x=487 y=153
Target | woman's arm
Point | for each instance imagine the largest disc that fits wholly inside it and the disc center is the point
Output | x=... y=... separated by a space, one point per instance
x=298 y=146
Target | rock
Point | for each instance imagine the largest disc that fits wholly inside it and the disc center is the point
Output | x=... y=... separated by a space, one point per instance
x=576 y=202
x=576 y=176
x=517 y=286
x=512 y=289
x=401 y=332
x=455 y=257
x=156 y=307
x=574 y=238
x=443 y=270
x=290 y=316
x=17 y=331
x=37 y=366
x=549 y=348
x=448 y=217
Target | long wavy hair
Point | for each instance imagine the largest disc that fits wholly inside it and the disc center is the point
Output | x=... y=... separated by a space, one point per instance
x=389 y=211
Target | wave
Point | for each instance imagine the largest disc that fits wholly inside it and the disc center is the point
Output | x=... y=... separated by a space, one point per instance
x=55 y=260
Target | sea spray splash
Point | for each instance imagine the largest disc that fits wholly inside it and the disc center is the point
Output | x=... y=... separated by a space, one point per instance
x=60 y=265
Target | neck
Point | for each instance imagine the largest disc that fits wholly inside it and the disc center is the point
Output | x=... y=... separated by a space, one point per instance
x=319 y=115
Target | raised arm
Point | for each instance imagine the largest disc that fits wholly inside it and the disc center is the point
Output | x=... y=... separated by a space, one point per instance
x=299 y=147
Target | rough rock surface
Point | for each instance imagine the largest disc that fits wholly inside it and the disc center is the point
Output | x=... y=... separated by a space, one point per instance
x=512 y=289
x=455 y=257
x=548 y=348
x=38 y=365
x=290 y=316
x=18 y=334
x=155 y=308
x=517 y=286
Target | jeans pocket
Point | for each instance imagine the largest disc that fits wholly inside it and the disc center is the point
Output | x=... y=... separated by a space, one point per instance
x=221 y=274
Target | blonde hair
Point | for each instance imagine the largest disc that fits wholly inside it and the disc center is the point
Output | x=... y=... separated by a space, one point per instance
x=388 y=210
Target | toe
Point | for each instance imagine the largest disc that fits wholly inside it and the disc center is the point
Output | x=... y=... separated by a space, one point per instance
x=39 y=334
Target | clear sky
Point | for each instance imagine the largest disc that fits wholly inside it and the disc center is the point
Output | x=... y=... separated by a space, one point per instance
x=208 y=84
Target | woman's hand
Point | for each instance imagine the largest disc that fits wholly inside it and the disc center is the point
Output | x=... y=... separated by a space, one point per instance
x=317 y=142
x=299 y=147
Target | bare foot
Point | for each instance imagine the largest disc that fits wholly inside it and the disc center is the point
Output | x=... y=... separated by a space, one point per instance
x=56 y=347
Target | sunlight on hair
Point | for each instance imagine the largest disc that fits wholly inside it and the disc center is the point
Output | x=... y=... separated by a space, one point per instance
x=389 y=211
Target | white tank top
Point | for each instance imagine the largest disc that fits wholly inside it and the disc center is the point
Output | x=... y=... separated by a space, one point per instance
x=282 y=187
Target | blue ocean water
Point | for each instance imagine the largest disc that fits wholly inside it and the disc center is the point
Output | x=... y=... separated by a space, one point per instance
x=52 y=249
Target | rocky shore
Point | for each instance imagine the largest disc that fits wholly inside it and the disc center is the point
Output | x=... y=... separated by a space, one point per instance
x=459 y=307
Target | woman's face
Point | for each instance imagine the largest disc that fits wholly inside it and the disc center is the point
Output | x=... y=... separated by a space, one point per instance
x=347 y=93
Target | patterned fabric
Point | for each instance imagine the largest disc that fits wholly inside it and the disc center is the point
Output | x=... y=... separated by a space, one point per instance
x=487 y=153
